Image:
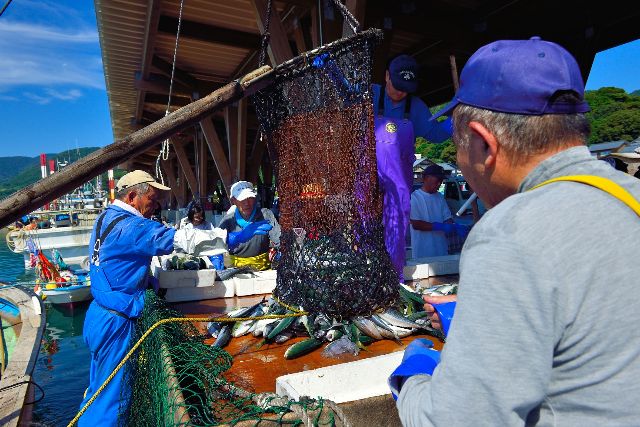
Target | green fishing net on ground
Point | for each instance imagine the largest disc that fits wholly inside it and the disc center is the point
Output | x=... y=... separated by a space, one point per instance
x=177 y=380
x=318 y=120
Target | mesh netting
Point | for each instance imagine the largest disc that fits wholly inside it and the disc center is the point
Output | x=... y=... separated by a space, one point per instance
x=177 y=380
x=318 y=120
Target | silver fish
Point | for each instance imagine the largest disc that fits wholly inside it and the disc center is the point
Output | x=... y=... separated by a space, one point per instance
x=284 y=337
x=394 y=318
x=367 y=327
x=224 y=336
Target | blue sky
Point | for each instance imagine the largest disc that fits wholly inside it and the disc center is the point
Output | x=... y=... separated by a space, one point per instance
x=52 y=90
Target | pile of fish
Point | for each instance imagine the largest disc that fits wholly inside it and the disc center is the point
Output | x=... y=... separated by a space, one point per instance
x=342 y=336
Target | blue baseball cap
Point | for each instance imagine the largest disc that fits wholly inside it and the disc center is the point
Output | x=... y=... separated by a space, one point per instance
x=403 y=72
x=520 y=77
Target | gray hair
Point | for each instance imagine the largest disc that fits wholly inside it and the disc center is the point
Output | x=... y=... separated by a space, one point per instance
x=140 y=189
x=522 y=136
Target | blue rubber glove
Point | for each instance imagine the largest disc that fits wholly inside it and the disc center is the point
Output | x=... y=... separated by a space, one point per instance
x=443 y=226
x=445 y=313
x=462 y=230
x=419 y=359
x=254 y=229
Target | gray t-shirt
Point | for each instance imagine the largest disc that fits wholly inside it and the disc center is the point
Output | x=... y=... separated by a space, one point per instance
x=258 y=244
x=546 y=330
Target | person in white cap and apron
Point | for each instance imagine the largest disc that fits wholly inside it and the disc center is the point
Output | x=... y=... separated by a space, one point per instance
x=255 y=252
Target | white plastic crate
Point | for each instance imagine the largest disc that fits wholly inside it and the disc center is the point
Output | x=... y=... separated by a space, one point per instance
x=421 y=268
x=257 y=283
x=366 y=378
x=191 y=285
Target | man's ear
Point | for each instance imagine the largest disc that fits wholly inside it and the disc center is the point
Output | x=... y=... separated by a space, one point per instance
x=131 y=196
x=386 y=76
x=491 y=146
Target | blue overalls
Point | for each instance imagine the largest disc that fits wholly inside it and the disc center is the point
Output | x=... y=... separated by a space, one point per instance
x=120 y=260
x=395 y=154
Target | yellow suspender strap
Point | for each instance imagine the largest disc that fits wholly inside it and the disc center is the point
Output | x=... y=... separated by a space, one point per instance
x=603 y=184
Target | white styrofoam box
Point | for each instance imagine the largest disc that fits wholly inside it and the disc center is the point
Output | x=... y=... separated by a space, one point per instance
x=218 y=290
x=421 y=268
x=366 y=378
x=259 y=282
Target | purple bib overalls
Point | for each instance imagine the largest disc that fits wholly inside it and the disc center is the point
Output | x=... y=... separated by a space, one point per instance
x=395 y=154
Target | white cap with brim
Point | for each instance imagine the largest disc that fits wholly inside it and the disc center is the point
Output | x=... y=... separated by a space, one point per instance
x=242 y=190
x=139 y=177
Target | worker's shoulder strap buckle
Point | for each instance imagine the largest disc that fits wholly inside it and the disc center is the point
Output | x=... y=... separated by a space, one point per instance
x=100 y=237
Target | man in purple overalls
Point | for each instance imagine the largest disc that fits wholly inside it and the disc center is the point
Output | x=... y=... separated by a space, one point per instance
x=400 y=118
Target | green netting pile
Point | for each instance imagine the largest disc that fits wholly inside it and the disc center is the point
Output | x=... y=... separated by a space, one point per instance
x=177 y=380
x=318 y=120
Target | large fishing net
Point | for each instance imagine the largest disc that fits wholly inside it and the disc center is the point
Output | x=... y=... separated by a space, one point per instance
x=318 y=121
x=177 y=380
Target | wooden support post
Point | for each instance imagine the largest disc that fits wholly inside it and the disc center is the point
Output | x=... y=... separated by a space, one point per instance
x=315 y=27
x=255 y=160
x=186 y=167
x=231 y=123
x=168 y=168
x=279 y=49
x=183 y=187
x=298 y=38
x=203 y=163
x=242 y=139
x=217 y=152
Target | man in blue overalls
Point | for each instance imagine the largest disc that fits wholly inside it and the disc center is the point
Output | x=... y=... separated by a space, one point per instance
x=122 y=244
x=400 y=118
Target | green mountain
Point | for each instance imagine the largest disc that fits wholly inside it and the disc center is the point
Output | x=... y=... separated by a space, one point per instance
x=17 y=172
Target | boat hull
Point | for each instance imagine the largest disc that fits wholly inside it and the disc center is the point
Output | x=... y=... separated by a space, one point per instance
x=70 y=294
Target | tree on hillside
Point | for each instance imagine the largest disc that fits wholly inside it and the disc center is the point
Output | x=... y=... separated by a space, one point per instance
x=615 y=115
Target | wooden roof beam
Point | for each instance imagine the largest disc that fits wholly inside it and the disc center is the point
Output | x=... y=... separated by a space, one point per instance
x=208 y=33
x=279 y=48
x=179 y=75
x=151 y=28
x=160 y=84
x=185 y=165
x=217 y=152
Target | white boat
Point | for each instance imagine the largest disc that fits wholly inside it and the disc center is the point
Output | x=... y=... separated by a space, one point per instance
x=71 y=241
x=66 y=294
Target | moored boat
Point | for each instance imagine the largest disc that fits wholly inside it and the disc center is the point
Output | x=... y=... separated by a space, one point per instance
x=23 y=322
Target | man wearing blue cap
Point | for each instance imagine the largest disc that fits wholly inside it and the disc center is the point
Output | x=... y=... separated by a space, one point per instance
x=400 y=118
x=538 y=336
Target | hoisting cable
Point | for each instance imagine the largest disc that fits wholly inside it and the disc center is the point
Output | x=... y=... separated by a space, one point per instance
x=6 y=5
x=265 y=36
x=164 y=151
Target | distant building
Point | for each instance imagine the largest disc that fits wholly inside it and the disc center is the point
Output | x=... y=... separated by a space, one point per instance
x=605 y=148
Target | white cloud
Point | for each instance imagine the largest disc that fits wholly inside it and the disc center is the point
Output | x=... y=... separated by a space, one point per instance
x=51 y=95
x=43 y=55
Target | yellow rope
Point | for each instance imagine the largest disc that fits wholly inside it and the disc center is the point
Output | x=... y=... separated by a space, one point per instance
x=169 y=320
x=288 y=307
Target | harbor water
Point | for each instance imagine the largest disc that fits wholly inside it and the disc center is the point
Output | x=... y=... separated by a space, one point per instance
x=62 y=369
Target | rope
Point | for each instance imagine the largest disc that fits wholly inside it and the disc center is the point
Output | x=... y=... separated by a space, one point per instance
x=6 y=5
x=172 y=320
x=164 y=151
x=26 y=382
x=265 y=36
x=348 y=17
